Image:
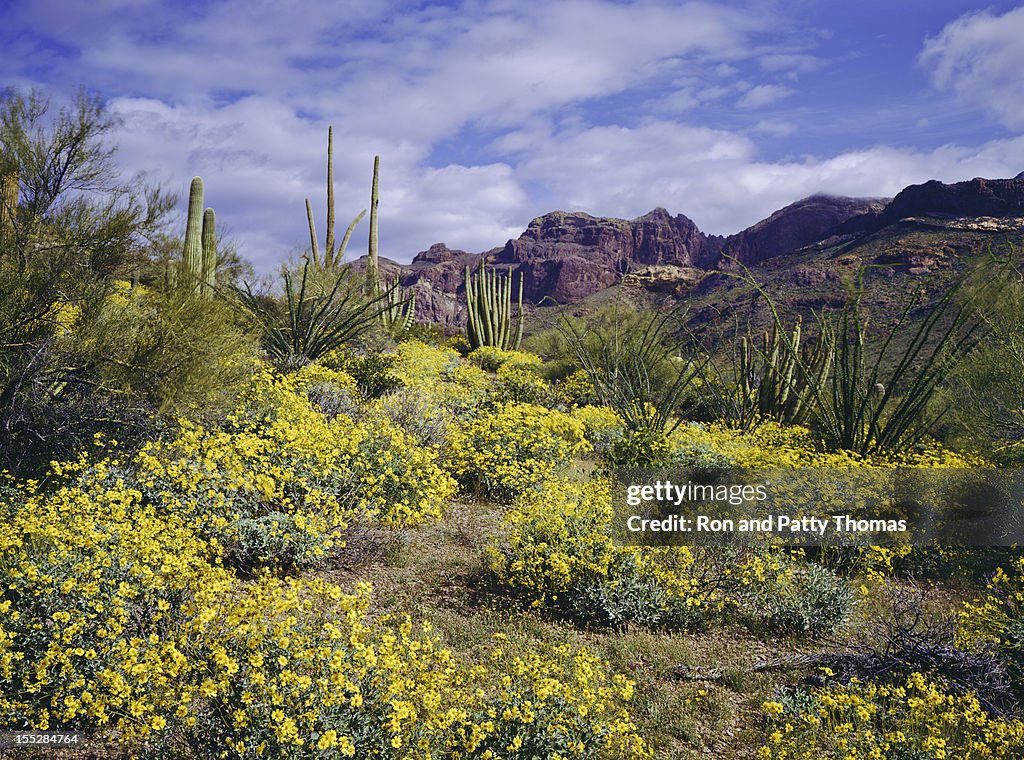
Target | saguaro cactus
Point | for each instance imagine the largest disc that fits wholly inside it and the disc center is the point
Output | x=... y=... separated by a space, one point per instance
x=372 y=265
x=209 y=252
x=489 y=308
x=199 y=255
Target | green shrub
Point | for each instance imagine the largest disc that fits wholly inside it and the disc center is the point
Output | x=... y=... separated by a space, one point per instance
x=274 y=541
x=373 y=374
x=802 y=600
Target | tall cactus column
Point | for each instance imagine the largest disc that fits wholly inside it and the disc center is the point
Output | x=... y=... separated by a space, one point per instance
x=209 y=253
x=199 y=255
x=372 y=264
x=489 y=309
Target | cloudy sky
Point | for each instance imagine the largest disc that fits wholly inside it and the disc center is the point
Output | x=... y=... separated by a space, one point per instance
x=487 y=113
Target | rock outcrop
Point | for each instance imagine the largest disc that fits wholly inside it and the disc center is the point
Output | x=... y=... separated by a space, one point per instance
x=797 y=225
x=978 y=197
x=566 y=256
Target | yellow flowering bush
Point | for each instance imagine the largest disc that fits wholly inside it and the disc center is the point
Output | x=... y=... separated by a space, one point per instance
x=520 y=383
x=279 y=456
x=553 y=537
x=115 y=621
x=93 y=583
x=997 y=620
x=492 y=359
x=602 y=426
x=442 y=374
x=773 y=445
x=555 y=548
x=514 y=448
x=575 y=390
x=915 y=718
x=298 y=669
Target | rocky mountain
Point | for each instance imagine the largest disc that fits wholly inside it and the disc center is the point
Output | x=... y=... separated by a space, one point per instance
x=564 y=257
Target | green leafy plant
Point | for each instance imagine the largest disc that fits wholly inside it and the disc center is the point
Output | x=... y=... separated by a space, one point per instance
x=637 y=369
x=312 y=324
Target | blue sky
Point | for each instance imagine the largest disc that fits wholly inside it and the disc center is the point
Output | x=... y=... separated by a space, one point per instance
x=487 y=113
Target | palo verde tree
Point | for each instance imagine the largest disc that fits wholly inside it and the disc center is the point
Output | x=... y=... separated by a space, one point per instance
x=70 y=229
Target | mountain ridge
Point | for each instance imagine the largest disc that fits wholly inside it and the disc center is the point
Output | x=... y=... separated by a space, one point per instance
x=565 y=257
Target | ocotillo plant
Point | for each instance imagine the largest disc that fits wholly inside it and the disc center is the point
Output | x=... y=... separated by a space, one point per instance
x=331 y=258
x=199 y=256
x=372 y=267
x=777 y=384
x=489 y=308
x=399 y=308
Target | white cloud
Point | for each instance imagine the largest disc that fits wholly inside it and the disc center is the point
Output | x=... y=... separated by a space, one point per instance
x=980 y=57
x=241 y=93
x=764 y=95
x=716 y=179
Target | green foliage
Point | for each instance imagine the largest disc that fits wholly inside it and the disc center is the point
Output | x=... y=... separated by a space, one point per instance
x=637 y=369
x=373 y=374
x=313 y=324
x=489 y=309
x=80 y=351
x=987 y=393
x=802 y=600
x=874 y=396
x=273 y=541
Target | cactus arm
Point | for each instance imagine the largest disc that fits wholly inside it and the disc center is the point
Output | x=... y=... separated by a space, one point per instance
x=192 y=253
x=519 y=316
x=348 y=234
x=329 y=244
x=209 y=252
x=312 y=234
x=472 y=332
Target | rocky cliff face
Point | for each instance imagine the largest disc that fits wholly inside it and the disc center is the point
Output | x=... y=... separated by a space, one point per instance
x=799 y=224
x=566 y=256
x=978 y=197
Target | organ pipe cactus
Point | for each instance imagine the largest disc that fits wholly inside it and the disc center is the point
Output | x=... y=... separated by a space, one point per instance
x=489 y=308
x=777 y=381
x=399 y=308
x=331 y=257
x=199 y=255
